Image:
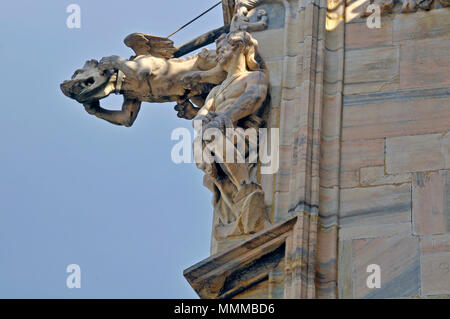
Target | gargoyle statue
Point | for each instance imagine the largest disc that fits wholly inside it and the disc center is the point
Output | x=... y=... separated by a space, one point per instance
x=153 y=75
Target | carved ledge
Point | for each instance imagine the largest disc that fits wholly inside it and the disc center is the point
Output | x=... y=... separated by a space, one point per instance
x=238 y=270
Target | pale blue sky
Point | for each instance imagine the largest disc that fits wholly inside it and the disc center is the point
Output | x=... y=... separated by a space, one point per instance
x=77 y=190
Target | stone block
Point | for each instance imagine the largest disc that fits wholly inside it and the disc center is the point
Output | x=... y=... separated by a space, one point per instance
x=374 y=231
x=357 y=154
x=345 y=266
x=435 y=243
x=414 y=153
x=429 y=211
x=334 y=63
x=334 y=25
x=270 y=43
x=447 y=199
x=328 y=205
x=349 y=179
x=445 y=149
x=275 y=68
x=398 y=258
x=329 y=162
x=375 y=175
x=362 y=153
x=380 y=115
x=425 y=63
x=371 y=70
x=359 y=35
x=436 y=273
x=370 y=206
x=421 y=25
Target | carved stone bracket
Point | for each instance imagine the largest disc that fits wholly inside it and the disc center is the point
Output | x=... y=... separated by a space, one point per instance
x=407 y=5
x=267 y=265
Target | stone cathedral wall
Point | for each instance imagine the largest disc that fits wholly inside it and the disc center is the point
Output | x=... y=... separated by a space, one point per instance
x=364 y=158
x=394 y=204
x=386 y=129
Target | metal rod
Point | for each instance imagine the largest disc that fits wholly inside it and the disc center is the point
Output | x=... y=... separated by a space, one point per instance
x=201 y=15
x=201 y=41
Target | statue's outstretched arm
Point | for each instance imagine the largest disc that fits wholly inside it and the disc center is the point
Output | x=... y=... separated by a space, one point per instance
x=125 y=117
x=129 y=68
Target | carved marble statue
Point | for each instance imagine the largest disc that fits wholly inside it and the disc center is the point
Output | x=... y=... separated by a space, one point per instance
x=228 y=85
x=150 y=76
x=236 y=103
x=240 y=21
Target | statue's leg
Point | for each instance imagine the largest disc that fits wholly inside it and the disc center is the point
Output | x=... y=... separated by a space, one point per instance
x=237 y=172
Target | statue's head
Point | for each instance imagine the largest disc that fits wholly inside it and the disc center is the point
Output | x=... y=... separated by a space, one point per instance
x=89 y=83
x=236 y=43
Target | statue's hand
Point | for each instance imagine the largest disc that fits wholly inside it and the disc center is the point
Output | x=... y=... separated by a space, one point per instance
x=191 y=79
x=220 y=122
x=108 y=63
x=204 y=119
x=186 y=110
x=91 y=107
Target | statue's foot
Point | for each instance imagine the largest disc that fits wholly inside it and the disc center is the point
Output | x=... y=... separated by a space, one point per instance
x=253 y=216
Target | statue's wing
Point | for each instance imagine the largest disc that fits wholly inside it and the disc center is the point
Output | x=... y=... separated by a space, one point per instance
x=146 y=44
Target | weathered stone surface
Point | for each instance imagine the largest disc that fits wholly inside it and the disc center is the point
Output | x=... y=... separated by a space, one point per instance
x=436 y=273
x=425 y=63
x=445 y=149
x=272 y=43
x=398 y=258
x=421 y=25
x=375 y=175
x=345 y=275
x=332 y=112
x=435 y=243
x=349 y=179
x=358 y=35
x=374 y=231
x=229 y=273
x=379 y=115
x=357 y=154
x=362 y=153
x=435 y=265
x=329 y=163
x=329 y=206
x=281 y=205
x=414 y=153
x=447 y=198
x=371 y=70
x=334 y=36
x=429 y=211
x=326 y=269
x=361 y=7
x=378 y=205
x=275 y=68
x=354 y=10
x=334 y=66
x=258 y=291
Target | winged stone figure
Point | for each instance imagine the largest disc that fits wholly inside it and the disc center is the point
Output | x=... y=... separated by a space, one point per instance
x=152 y=75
